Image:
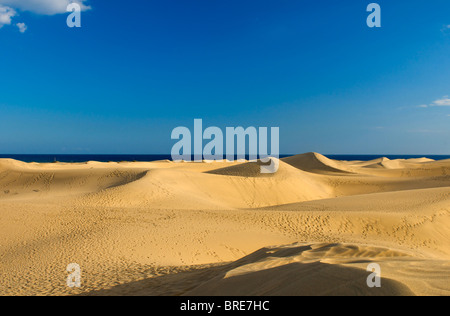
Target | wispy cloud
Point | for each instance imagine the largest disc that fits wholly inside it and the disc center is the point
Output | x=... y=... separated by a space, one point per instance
x=45 y=7
x=444 y=101
x=9 y=9
x=426 y=131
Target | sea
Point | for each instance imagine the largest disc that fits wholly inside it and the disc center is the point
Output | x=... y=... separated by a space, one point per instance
x=121 y=158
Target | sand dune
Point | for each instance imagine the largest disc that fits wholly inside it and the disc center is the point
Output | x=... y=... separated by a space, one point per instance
x=317 y=163
x=165 y=228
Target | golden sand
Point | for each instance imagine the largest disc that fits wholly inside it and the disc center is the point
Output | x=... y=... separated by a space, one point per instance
x=164 y=228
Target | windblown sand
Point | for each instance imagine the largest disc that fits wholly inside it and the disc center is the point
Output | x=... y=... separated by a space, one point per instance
x=222 y=228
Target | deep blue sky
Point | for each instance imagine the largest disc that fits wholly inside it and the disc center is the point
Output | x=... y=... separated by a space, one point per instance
x=138 y=69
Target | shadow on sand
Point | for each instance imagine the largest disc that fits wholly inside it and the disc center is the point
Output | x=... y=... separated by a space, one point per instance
x=288 y=279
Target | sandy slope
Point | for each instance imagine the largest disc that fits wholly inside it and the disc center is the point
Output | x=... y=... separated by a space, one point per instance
x=165 y=228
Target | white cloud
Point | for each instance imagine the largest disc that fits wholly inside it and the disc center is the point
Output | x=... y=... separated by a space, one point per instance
x=6 y=14
x=22 y=27
x=445 y=101
x=10 y=8
x=45 y=7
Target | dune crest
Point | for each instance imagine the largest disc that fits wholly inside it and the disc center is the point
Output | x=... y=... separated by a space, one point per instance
x=316 y=163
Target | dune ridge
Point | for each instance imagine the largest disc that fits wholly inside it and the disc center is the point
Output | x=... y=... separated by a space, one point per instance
x=165 y=228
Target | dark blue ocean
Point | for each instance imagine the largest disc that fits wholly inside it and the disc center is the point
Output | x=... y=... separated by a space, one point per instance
x=118 y=158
